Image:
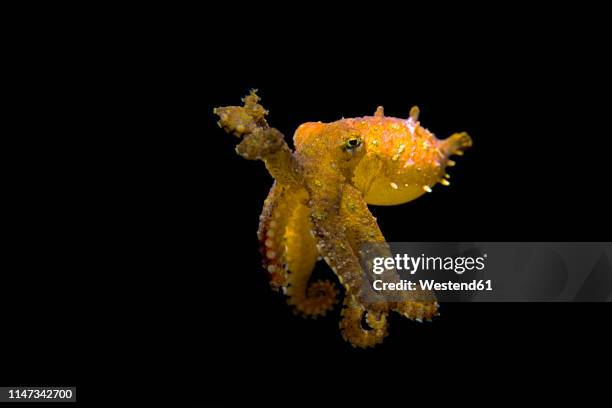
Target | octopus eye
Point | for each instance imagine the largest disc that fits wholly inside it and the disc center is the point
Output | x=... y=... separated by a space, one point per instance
x=352 y=143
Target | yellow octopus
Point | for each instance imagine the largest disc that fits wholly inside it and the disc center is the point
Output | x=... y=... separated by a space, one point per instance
x=318 y=206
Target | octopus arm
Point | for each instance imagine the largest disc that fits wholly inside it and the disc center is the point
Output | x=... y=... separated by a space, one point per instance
x=353 y=322
x=289 y=251
x=333 y=244
x=272 y=225
x=368 y=242
x=312 y=299
x=259 y=140
x=332 y=241
x=287 y=247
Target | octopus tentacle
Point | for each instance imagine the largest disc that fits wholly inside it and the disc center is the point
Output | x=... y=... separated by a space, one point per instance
x=333 y=238
x=417 y=310
x=272 y=225
x=363 y=230
x=290 y=254
x=320 y=296
x=352 y=329
x=338 y=255
x=284 y=229
x=269 y=146
x=260 y=142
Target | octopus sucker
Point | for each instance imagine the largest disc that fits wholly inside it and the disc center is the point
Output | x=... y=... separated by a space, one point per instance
x=277 y=208
x=318 y=207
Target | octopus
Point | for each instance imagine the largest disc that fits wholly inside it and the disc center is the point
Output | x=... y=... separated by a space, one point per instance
x=317 y=207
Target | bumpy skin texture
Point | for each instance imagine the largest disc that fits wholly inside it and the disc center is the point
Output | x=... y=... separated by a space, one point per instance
x=318 y=206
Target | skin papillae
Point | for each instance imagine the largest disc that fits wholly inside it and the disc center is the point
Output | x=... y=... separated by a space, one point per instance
x=318 y=206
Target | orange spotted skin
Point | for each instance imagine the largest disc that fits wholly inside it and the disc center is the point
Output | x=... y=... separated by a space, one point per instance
x=414 y=151
x=318 y=206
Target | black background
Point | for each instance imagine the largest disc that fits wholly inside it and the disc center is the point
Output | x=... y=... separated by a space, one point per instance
x=135 y=219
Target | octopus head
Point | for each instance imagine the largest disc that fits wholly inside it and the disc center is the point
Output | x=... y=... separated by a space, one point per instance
x=334 y=147
x=390 y=160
